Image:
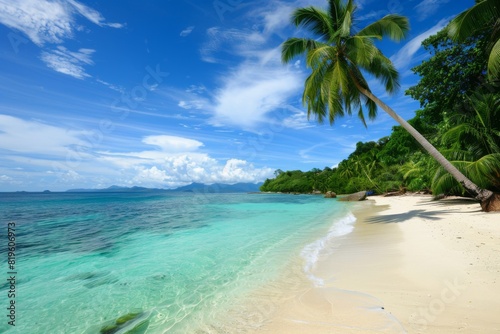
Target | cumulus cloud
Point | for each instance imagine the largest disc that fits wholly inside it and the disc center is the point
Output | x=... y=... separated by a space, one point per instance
x=70 y=159
x=184 y=169
x=183 y=165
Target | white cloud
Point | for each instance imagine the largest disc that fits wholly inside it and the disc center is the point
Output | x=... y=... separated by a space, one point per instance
x=92 y=15
x=118 y=88
x=253 y=89
x=34 y=137
x=405 y=56
x=184 y=169
x=196 y=89
x=251 y=92
x=176 y=168
x=260 y=83
x=236 y=170
x=53 y=22
x=42 y=21
x=277 y=18
x=297 y=120
x=151 y=175
x=68 y=62
x=46 y=21
x=193 y=104
x=173 y=143
x=187 y=31
x=65 y=159
x=427 y=8
x=229 y=40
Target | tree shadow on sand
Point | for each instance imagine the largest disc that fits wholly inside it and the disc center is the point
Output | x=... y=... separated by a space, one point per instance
x=401 y=217
x=422 y=213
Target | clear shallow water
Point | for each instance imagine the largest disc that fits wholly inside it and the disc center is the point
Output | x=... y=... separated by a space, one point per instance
x=173 y=260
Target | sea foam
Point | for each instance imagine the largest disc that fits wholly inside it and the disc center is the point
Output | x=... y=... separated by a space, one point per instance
x=312 y=251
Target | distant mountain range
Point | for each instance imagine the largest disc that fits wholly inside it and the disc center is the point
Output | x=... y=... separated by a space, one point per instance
x=193 y=187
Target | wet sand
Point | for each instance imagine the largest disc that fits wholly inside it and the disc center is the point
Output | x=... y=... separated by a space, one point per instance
x=411 y=265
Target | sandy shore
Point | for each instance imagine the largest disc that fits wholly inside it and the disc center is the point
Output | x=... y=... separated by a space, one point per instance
x=411 y=265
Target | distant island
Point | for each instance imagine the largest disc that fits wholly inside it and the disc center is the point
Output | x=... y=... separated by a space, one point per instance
x=193 y=187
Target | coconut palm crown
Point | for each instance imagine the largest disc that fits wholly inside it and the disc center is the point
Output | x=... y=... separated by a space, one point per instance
x=484 y=14
x=337 y=56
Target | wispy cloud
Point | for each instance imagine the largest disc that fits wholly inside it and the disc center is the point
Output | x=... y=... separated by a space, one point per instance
x=406 y=55
x=253 y=90
x=173 y=143
x=46 y=21
x=42 y=21
x=259 y=83
x=192 y=104
x=53 y=22
x=297 y=120
x=92 y=15
x=187 y=31
x=427 y=8
x=234 y=41
x=22 y=136
x=68 y=62
x=111 y=86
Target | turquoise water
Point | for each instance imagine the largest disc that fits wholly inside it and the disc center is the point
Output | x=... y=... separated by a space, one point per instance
x=174 y=261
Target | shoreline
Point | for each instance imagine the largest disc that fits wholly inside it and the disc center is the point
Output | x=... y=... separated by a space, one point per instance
x=411 y=265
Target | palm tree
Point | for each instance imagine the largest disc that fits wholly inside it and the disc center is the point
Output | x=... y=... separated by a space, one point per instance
x=475 y=145
x=479 y=129
x=336 y=84
x=484 y=14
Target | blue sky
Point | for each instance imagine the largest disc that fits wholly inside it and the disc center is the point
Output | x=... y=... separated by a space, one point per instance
x=165 y=93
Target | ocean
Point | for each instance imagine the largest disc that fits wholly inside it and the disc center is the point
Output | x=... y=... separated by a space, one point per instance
x=154 y=262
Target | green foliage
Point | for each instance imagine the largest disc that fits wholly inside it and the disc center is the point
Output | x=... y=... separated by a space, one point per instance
x=290 y=181
x=360 y=171
x=454 y=71
x=337 y=57
x=483 y=16
x=460 y=115
x=473 y=142
x=485 y=172
x=477 y=129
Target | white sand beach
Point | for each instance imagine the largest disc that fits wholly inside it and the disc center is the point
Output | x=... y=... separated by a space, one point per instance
x=411 y=265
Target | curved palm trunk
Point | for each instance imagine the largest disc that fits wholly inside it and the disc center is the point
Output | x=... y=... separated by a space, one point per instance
x=489 y=200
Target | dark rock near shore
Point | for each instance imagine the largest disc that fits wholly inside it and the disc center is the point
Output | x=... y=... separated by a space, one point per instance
x=330 y=194
x=135 y=322
x=359 y=196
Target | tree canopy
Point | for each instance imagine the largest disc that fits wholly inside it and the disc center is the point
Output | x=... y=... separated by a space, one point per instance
x=459 y=114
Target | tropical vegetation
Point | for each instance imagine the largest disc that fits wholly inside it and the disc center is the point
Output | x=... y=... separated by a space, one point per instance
x=458 y=116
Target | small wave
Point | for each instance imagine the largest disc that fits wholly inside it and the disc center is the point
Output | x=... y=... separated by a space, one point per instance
x=311 y=252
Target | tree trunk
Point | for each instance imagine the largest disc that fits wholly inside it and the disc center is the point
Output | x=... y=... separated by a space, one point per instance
x=489 y=200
